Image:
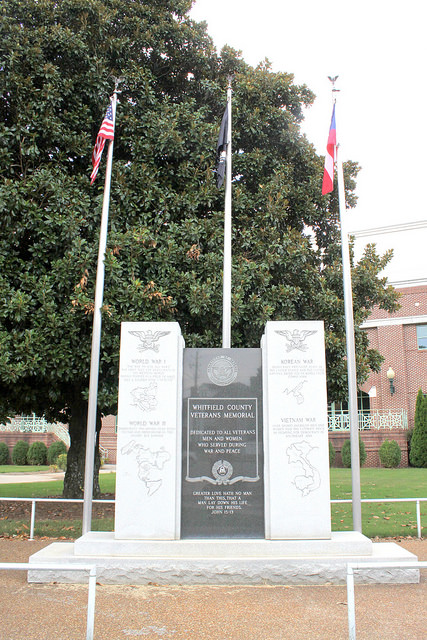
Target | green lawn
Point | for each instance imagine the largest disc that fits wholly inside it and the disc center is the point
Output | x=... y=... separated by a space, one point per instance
x=384 y=519
x=107 y=483
x=15 y=468
x=381 y=483
x=51 y=528
x=378 y=520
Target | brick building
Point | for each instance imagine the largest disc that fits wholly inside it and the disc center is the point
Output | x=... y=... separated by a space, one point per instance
x=402 y=339
x=108 y=438
x=389 y=396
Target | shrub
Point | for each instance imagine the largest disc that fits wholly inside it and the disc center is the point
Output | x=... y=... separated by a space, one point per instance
x=37 y=453
x=331 y=454
x=418 y=453
x=55 y=449
x=346 y=453
x=19 y=452
x=62 y=461
x=390 y=454
x=4 y=453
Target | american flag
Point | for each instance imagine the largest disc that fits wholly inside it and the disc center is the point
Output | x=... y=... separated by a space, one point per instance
x=106 y=132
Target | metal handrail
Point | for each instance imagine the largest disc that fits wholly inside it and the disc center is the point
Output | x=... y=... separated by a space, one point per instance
x=357 y=566
x=35 y=500
x=335 y=501
x=417 y=500
x=27 y=566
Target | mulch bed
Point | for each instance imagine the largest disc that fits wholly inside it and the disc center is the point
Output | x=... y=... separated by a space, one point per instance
x=55 y=510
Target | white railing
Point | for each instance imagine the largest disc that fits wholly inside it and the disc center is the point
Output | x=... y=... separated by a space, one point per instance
x=340 y=420
x=35 y=500
x=358 y=566
x=382 y=500
x=33 y=424
x=28 y=566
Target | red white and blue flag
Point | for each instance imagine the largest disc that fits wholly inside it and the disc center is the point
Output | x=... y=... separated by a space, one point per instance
x=106 y=132
x=328 y=174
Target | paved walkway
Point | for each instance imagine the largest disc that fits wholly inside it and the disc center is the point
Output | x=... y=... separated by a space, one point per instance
x=43 y=612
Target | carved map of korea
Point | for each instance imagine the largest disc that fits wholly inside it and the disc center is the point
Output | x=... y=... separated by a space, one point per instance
x=309 y=480
x=296 y=392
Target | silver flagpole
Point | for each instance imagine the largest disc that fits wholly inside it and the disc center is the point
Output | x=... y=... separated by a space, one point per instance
x=351 y=353
x=226 y=302
x=96 y=341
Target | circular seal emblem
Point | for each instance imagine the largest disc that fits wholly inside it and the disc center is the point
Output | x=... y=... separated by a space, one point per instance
x=222 y=471
x=222 y=370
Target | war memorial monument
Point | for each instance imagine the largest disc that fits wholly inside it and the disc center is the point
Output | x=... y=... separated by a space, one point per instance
x=222 y=468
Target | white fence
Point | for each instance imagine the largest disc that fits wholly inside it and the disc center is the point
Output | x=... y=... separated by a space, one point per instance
x=80 y=500
x=384 y=500
x=27 y=566
x=35 y=500
x=359 y=566
x=386 y=420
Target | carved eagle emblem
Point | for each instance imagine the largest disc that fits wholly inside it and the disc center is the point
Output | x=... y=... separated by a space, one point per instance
x=296 y=339
x=149 y=339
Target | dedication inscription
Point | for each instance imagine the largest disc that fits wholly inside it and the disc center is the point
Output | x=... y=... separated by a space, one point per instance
x=222 y=491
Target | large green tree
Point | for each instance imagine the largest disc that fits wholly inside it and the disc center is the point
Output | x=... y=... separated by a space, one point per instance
x=59 y=61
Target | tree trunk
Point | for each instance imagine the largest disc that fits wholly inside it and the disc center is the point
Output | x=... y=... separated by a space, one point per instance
x=75 y=474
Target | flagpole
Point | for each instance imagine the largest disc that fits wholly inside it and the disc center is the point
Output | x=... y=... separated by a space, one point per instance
x=226 y=303
x=351 y=349
x=96 y=341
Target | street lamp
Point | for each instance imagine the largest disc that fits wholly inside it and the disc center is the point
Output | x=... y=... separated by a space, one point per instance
x=390 y=376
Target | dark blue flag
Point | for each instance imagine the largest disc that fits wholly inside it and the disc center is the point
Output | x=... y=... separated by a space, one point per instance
x=221 y=150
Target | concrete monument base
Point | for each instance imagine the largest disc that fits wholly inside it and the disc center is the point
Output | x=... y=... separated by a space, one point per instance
x=223 y=562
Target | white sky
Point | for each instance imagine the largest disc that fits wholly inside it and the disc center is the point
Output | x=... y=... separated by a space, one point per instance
x=378 y=48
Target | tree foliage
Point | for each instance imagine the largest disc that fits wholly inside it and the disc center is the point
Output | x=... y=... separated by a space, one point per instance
x=418 y=451
x=164 y=255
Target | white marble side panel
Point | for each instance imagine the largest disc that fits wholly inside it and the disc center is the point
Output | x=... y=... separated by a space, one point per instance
x=149 y=431
x=296 y=428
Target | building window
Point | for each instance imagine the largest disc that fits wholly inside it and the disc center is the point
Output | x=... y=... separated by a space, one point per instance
x=422 y=336
x=363 y=404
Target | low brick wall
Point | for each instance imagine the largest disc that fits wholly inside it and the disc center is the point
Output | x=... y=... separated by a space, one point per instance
x=372 y=440
x=108 y=439
x=12 y=437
